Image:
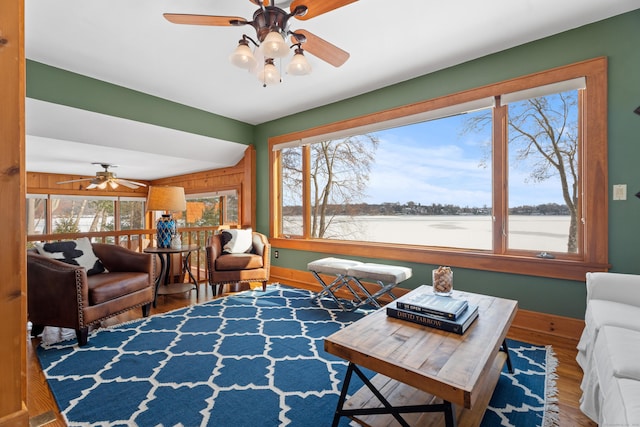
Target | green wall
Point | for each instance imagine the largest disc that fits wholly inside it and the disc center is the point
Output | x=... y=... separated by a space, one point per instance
x=59 y=86
x=618 y=39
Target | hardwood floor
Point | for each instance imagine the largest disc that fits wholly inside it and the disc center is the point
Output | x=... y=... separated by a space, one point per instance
x=42 y=405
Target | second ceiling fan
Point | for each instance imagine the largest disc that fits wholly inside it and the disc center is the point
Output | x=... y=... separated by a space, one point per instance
x=272 y=27
x=106 y=177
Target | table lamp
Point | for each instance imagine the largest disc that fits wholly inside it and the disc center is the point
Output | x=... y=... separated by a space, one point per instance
x=167 y=199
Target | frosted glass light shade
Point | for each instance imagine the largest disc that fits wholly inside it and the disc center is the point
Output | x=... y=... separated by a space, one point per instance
x=269 y=75
x=242 y=57
x=274 y=46
x=299 y=66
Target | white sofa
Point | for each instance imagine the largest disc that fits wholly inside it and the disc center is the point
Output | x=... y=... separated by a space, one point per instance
x=609 y=350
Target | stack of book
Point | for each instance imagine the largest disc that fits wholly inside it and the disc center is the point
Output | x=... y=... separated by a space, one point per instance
x=445 y=313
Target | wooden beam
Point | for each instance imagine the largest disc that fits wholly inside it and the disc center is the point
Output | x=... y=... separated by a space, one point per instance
x=13 y=328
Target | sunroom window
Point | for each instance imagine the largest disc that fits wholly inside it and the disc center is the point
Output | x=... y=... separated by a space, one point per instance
x=544 y=149
x=499 y=170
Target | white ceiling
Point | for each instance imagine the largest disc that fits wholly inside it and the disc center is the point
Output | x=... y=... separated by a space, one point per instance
x=129 y=43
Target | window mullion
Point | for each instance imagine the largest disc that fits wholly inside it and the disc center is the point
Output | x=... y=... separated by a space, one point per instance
x=500 y=184
x=306 y=191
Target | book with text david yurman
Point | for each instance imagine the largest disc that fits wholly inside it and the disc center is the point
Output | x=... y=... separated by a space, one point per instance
x=458 y=326
x=438 y=305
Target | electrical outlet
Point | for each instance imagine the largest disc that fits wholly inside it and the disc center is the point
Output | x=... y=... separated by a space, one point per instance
x=276 y=254
x=620 y=192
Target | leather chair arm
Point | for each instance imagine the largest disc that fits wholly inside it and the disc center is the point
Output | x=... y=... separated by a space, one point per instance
x=213 y=250
x=214 y=247
x=265 y=250
x=55 y=286
x=117 y=258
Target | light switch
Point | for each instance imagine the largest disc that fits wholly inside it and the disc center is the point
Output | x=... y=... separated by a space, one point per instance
x=620 y=192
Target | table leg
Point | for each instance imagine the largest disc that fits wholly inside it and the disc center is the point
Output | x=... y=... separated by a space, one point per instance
x=343 y=396
x=185 y=267
x=505 y=348
x=447 y=408
x=449 y=415
x=388 y=408
x=162 y=277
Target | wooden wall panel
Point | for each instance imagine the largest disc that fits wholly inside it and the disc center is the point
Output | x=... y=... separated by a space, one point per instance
x=240 y=177
x=13 y=304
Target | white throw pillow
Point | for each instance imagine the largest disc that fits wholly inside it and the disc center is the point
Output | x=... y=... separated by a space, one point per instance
x=237 y=241
x=74 y=252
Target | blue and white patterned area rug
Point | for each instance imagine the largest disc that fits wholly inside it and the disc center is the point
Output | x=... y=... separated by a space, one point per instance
x=252 y=359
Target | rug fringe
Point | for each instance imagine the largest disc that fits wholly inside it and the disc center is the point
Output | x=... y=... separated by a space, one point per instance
x=551 y=411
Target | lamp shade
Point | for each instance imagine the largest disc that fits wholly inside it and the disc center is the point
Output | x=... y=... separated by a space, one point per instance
x=274 y=46
x=299 y=66
x=269 y=75
x=243 y=57
x=166 y=199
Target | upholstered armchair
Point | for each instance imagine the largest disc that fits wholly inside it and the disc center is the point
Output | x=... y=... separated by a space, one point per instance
x=238 y=256
x=75 y=296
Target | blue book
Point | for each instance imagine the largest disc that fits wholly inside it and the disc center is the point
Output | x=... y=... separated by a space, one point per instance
x=458 y=326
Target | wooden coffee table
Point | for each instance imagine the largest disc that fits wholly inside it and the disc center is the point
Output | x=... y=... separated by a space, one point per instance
x=423 y=372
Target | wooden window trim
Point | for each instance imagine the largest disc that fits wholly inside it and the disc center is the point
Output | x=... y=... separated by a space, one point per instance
x=594 y=185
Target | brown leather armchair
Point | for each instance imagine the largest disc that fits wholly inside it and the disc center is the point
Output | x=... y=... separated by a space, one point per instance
x=238 y=267
x=61 y=294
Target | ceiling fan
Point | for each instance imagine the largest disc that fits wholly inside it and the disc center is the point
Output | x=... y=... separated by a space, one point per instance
x=272 y=27
x=106 y=177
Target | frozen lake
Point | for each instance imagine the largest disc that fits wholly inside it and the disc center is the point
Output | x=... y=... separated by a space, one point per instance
x=544 y=233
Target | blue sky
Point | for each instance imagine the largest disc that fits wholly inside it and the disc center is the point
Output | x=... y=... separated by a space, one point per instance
x=433 y=163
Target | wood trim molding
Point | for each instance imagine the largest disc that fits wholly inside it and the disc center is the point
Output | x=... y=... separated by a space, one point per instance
x=13 y=259
x=563 y=327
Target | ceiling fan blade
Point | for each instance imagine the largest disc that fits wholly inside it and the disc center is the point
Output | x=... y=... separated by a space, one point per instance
x=92 y=186
x=130 y=184
x=221 y=21
x=321 y=48
x=74 y=180
x=317 y=7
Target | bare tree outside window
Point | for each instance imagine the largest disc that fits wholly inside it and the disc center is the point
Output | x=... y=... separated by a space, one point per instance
x=544 y=142
x=339 y=175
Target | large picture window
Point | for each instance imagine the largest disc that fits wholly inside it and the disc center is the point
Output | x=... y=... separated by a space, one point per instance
x=500 y=170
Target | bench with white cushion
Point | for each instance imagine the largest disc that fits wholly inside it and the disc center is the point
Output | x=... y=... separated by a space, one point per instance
x=350 y=274
x=334 y=267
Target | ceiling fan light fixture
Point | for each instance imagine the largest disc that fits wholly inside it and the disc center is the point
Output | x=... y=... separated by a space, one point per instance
x=113 y=184
x=299 y=66
x=102 y=185
x=242 y=57
x=269 y=75
x=274 y=45
x=274 y=37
